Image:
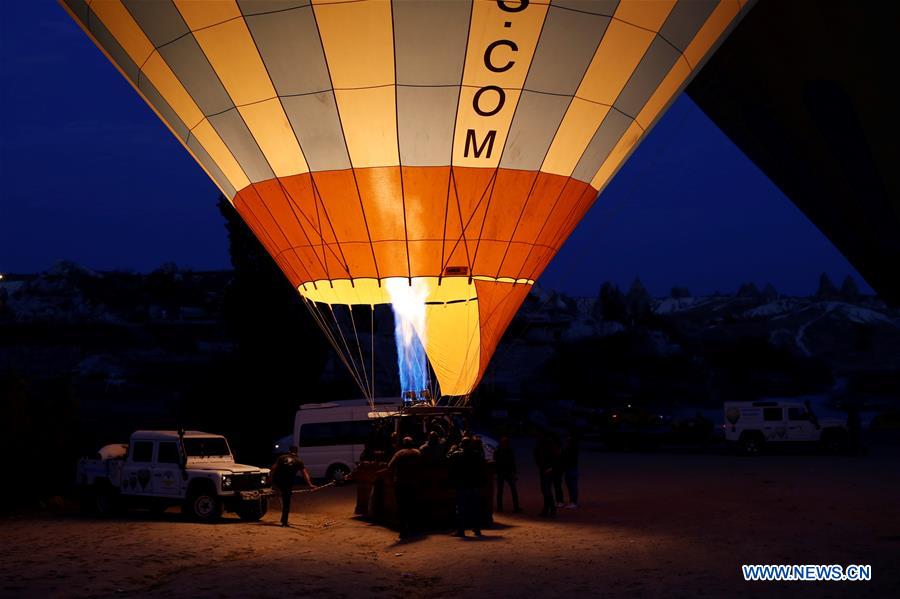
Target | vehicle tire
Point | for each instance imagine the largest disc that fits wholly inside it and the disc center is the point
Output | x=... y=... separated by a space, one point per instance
x=337 y=473
x=253 y=511
x=751 y=443
x=105 y=498
x=203 y=505
x=834 y=441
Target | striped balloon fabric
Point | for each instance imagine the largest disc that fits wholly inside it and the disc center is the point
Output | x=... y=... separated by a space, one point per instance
x=453 y=142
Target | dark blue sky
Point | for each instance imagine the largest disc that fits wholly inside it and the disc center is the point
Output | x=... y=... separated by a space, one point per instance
x=90 y=174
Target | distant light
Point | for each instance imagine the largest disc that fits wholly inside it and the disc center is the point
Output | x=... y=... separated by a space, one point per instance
x=1 y=277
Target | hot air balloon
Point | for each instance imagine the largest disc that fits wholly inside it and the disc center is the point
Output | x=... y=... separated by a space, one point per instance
x=431 y=155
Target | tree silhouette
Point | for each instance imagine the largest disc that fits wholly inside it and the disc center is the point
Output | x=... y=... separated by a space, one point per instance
x=826 y=289
x=280 y=350
x=748 y=290
x=638 y=301
x=610 y=304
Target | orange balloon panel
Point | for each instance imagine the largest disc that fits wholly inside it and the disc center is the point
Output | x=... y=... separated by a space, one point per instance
x=368 y=140
x=337 y=225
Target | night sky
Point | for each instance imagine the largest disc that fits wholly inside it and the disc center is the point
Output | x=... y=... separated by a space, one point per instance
x=91 y=175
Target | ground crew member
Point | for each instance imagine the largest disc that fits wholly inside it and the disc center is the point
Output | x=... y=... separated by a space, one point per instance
x=544 y=458
x=284 y=471
x=467 y=472
x=433 y=451
x=505 y=467
x=569 y=459
x=404 y=468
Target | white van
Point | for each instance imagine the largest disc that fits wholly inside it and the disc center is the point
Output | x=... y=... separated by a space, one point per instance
x=331 y=436
x=755 y=424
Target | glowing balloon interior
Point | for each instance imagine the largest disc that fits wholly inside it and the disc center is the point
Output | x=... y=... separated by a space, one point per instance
x=408 y=303
x=452 y=145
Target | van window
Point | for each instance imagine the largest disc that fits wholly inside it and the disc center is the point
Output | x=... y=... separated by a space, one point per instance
x=798 y=414
x=362 y=430
x=167 y=453
x=349 y=432
x=142 y=451
x=773 y=414
x=316 y=434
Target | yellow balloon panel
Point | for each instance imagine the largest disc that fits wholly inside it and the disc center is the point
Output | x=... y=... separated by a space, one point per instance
x=513 y=69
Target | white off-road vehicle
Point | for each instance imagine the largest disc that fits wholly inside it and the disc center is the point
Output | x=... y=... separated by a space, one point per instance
x=159 y=469
x=753 y=425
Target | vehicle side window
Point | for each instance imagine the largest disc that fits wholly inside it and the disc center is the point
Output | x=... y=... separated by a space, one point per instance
x=349 y=432
x=773 y=414
x=317 y=434
x=798 y=414
x=142 y=451
x=167 y=453
x=343 y=433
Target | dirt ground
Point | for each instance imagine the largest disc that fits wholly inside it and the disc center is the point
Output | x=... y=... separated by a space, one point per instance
x=658 y=525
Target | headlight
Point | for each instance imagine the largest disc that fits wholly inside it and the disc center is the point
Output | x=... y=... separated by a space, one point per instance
x=263 y=479
x=226 y=481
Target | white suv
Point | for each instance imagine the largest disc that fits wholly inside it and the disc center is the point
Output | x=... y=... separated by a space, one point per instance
x=753 y=425
x=158 y=469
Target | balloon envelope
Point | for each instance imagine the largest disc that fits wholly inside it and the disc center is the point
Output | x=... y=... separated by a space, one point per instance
x=454 y=143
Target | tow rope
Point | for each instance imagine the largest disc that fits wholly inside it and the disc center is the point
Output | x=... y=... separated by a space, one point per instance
x=314 y=489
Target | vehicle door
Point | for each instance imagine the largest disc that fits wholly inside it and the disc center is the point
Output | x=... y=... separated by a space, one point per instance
x=774 y=427
x=800 y=425
x=136 y=473
x=167 y=479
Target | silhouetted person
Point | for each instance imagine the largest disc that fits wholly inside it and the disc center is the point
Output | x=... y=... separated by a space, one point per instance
x=405 y=468
x=543 y=458
x=467 y=474
x=558 y=470
x=569 y=461
x=395 y=443
x=433 y=451
x=378 y=445
x=284 y=472
x=478 y=444
x=440 y=426
x=454 y=436
x=505 y=467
